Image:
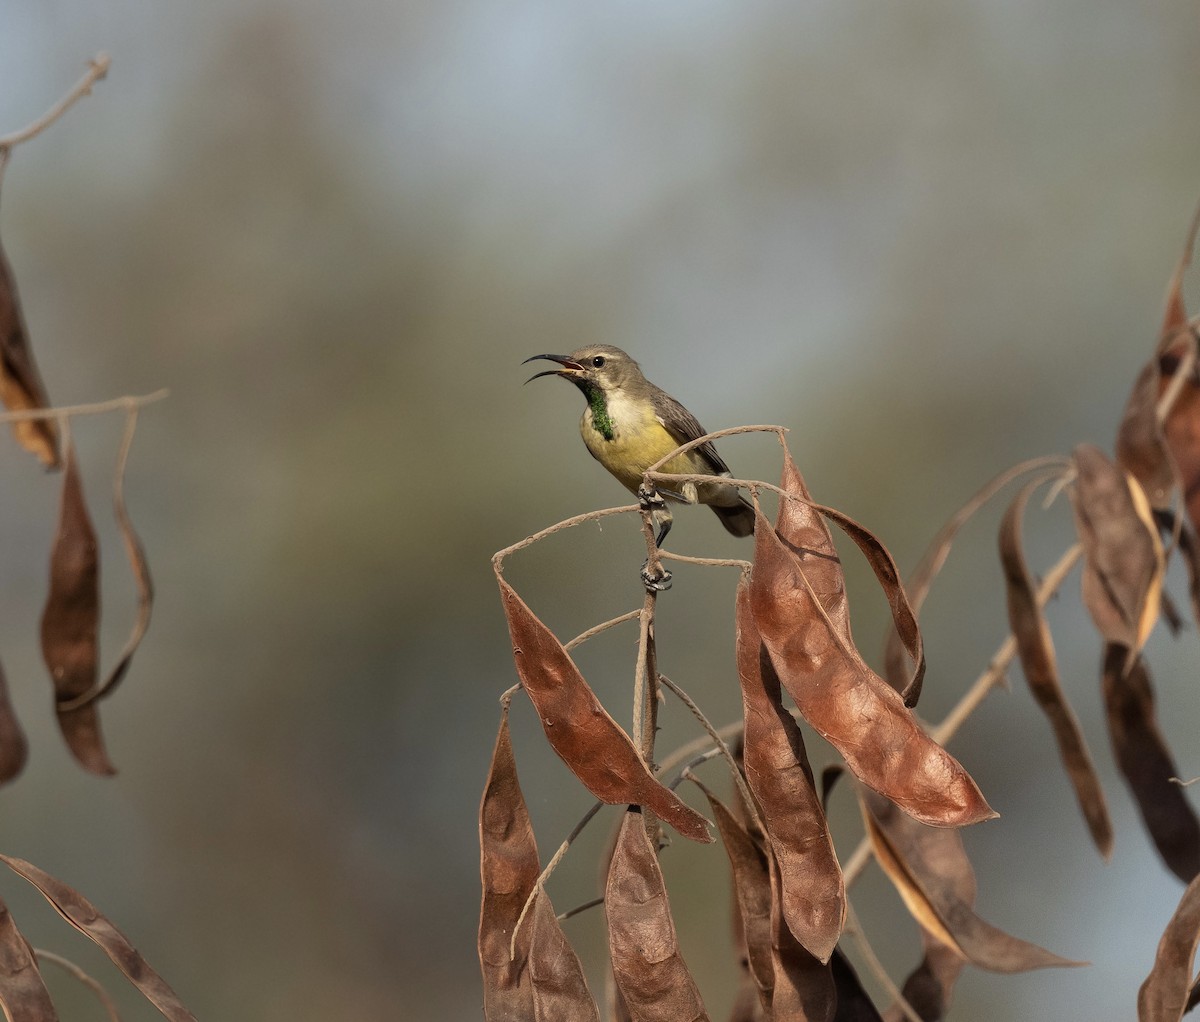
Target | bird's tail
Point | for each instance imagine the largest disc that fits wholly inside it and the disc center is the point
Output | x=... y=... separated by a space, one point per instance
x=737 y=518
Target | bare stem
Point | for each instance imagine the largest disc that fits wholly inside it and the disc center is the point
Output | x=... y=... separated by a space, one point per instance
x=563 y=916
x=708 y=437
x=854 y=928
x=92 y=984
x=127 y=403
x=595 y=630
x=643 y=683
x=721 y=746
x=568 y=523
x=709 y=562
x=540 y=883
x=697 y=745
x=97 y=69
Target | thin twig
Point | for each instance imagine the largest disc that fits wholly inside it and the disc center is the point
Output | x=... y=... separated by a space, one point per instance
x=935 y=556
x=709 y=437
x=540 y=883
x=568 y=523
x=710 y=562
x=700 y=477
x=854 y=928
x=94 y=985
x=712 y=752
x=738 y=779
x=971 y=699
x=563 y=916
x=97 y=408
x=97 y=69
x=689 y=749
x=1004 y=655
x=642 y=682
x=595 y=630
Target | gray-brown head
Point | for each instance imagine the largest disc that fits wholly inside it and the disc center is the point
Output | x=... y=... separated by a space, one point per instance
x=596 y=366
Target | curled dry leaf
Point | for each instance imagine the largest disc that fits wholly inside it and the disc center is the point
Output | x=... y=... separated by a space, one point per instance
x=1036 y=650
x=85 y=917
x=1122 y=575
x=21 y=386
x=23 y=994
x=933 y=898
x=70 y=620
x=509 y=868
x=778 y=773
x=1146 y=763
x=803 y=530
x=580 y=730
x=649 y=969
x=850 y=706
x=1164 y=996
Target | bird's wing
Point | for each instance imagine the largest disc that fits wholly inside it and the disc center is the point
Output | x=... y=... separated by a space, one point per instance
x=684 y=426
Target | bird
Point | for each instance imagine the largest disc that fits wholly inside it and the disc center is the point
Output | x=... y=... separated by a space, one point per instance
x=629 y=424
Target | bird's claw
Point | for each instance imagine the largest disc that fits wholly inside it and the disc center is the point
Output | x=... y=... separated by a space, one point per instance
x=655 y=581
x=649 y=498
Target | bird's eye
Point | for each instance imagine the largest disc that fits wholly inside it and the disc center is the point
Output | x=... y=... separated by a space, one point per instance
x=598 y=361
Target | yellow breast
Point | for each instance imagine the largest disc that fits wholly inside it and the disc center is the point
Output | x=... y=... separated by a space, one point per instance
x=639 y=440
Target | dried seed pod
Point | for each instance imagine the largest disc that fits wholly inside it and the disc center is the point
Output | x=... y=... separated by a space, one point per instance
x=1036 y=651
x=1164 y=996
x=1147 y=765
x=70 y=621
x=1122 y=577
x=88 y=920
x=649 y=969
x=21 y=386
x=801 y=526
x=560 y=993
x=580 y=730
x=509 y=868
x=933 y=900
x=23 y=994
x=804 y=986
x=850 y=706
x=777 y=770
x=752 y=895
x=14 y=749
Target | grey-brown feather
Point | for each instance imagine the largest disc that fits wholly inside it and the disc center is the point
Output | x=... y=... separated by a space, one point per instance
x=684 y=427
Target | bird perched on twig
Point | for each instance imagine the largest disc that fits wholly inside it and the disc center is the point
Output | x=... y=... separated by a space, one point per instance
x=629 y=424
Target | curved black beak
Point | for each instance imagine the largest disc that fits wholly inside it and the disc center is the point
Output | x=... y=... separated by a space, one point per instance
x=570 y=369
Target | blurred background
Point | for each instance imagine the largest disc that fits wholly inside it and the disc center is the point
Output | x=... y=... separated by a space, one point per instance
x=931 y=239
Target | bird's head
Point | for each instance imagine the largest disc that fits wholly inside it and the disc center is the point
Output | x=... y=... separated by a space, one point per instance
x=595 y=367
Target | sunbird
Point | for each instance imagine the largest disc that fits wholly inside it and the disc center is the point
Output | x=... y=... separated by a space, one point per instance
x=629 y=424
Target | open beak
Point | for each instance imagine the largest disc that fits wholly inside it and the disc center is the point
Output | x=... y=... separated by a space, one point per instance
x=570 y=368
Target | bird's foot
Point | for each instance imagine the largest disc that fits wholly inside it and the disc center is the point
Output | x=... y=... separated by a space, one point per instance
x=655 y=581
x=650 y=499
